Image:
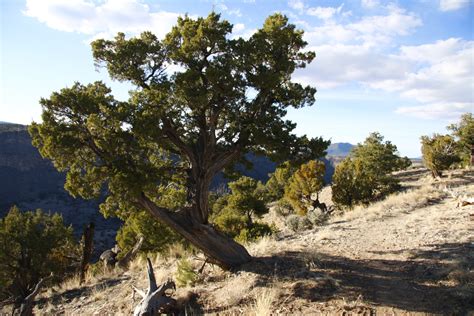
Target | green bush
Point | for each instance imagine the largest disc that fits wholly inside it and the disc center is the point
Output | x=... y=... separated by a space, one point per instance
x=283 y=208
x=185 y=274
x=306 y=181
x=33 y=244
x=439 y=153
x=157 y=235
x=234 y=212
x=365 y=175
x=255 y=232
x=275 y=186
x=463 y=132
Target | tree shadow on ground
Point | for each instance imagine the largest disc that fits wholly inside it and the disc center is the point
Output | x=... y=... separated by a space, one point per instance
x=420 y=284
x=69 y=295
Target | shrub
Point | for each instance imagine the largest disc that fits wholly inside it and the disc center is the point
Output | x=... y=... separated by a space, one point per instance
x=255 y=232
x=34 y=244
x=185 y=274
x=283 y=208
x=439 y=153
x=234 y=212
x=275 y=186
x=298 y=223
x=365 y=174
x=317 y=217
x=157 y=235
x=463 y=132
x=306 y=181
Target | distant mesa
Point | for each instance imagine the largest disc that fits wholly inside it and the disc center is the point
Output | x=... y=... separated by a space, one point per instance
x=339 y=149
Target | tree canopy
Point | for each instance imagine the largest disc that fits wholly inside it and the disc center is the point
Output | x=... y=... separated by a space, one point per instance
x=463 y=131
x=34 y=244
x=202 y=100
x=366 y=173
x=306 y=181
x=439 y=153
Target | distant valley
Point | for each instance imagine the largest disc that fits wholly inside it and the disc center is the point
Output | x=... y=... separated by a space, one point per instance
x=31 y=182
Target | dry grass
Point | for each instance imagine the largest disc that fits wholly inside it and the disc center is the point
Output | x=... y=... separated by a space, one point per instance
x=263 y=302
x=399 y=202
x=314 y=279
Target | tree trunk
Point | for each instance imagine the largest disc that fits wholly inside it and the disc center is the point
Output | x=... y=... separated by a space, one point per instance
x=219 y=248
x=86 y=250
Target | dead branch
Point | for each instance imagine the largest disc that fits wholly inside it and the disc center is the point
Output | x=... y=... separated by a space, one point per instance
x=155 y=300
x=27 y=305
x=125 y=261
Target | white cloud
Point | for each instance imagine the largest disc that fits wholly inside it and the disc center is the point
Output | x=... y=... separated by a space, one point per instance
x=436 y=78
x=370 y=4
x=100 y=17
x=324 y=13
x=436 y=110
x=451 y=5
x=297 y=5
x=224 y=8
x=239 y=27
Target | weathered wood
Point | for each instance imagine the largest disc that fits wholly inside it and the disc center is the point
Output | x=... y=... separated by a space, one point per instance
x=125 y=261
x=88 y=237
x=27 y=305
x=218 y=248
x=154 y=301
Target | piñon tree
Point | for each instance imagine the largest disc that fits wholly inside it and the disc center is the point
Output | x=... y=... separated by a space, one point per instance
x=366 y=173
x=464 y=134
x=439 y=153
x=33 y=244
x=307 y=181
x=202 y=100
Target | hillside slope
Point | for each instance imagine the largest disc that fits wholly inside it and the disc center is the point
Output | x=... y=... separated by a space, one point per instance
x=412 y=253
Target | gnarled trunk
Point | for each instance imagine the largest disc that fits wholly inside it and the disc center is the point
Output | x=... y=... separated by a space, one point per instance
x=219 y=248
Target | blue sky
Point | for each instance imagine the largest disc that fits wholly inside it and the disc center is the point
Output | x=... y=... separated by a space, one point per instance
x=403 y=68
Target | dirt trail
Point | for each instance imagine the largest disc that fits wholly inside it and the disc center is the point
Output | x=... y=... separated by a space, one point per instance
x=413 y=252
x=410 y=254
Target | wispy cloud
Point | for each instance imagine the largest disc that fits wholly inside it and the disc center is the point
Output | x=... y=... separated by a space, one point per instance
x=100 y=17
x=451 y=5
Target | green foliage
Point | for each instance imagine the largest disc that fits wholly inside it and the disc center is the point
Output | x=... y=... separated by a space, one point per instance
x=307 y=180
x=283 y=208
x=158 y=236
x=140 y=223
x=275 y=186
x=244 y=198
x=439 y=153
x=185 y=274
x=228 y=96
x=234 y=213
x=34 y=244
x=365 y=174
x=464 y=134
x=254 y=232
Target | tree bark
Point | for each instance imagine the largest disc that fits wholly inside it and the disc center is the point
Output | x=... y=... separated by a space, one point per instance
x=86 y=250
x=219 y=248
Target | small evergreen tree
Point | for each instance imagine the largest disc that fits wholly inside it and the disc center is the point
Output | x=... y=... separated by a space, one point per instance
x=365 y=174
x=306 y=181
x=33 y=244
x=464 y=134
x=234 y=213
x=275 y=186
x=439 y=153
